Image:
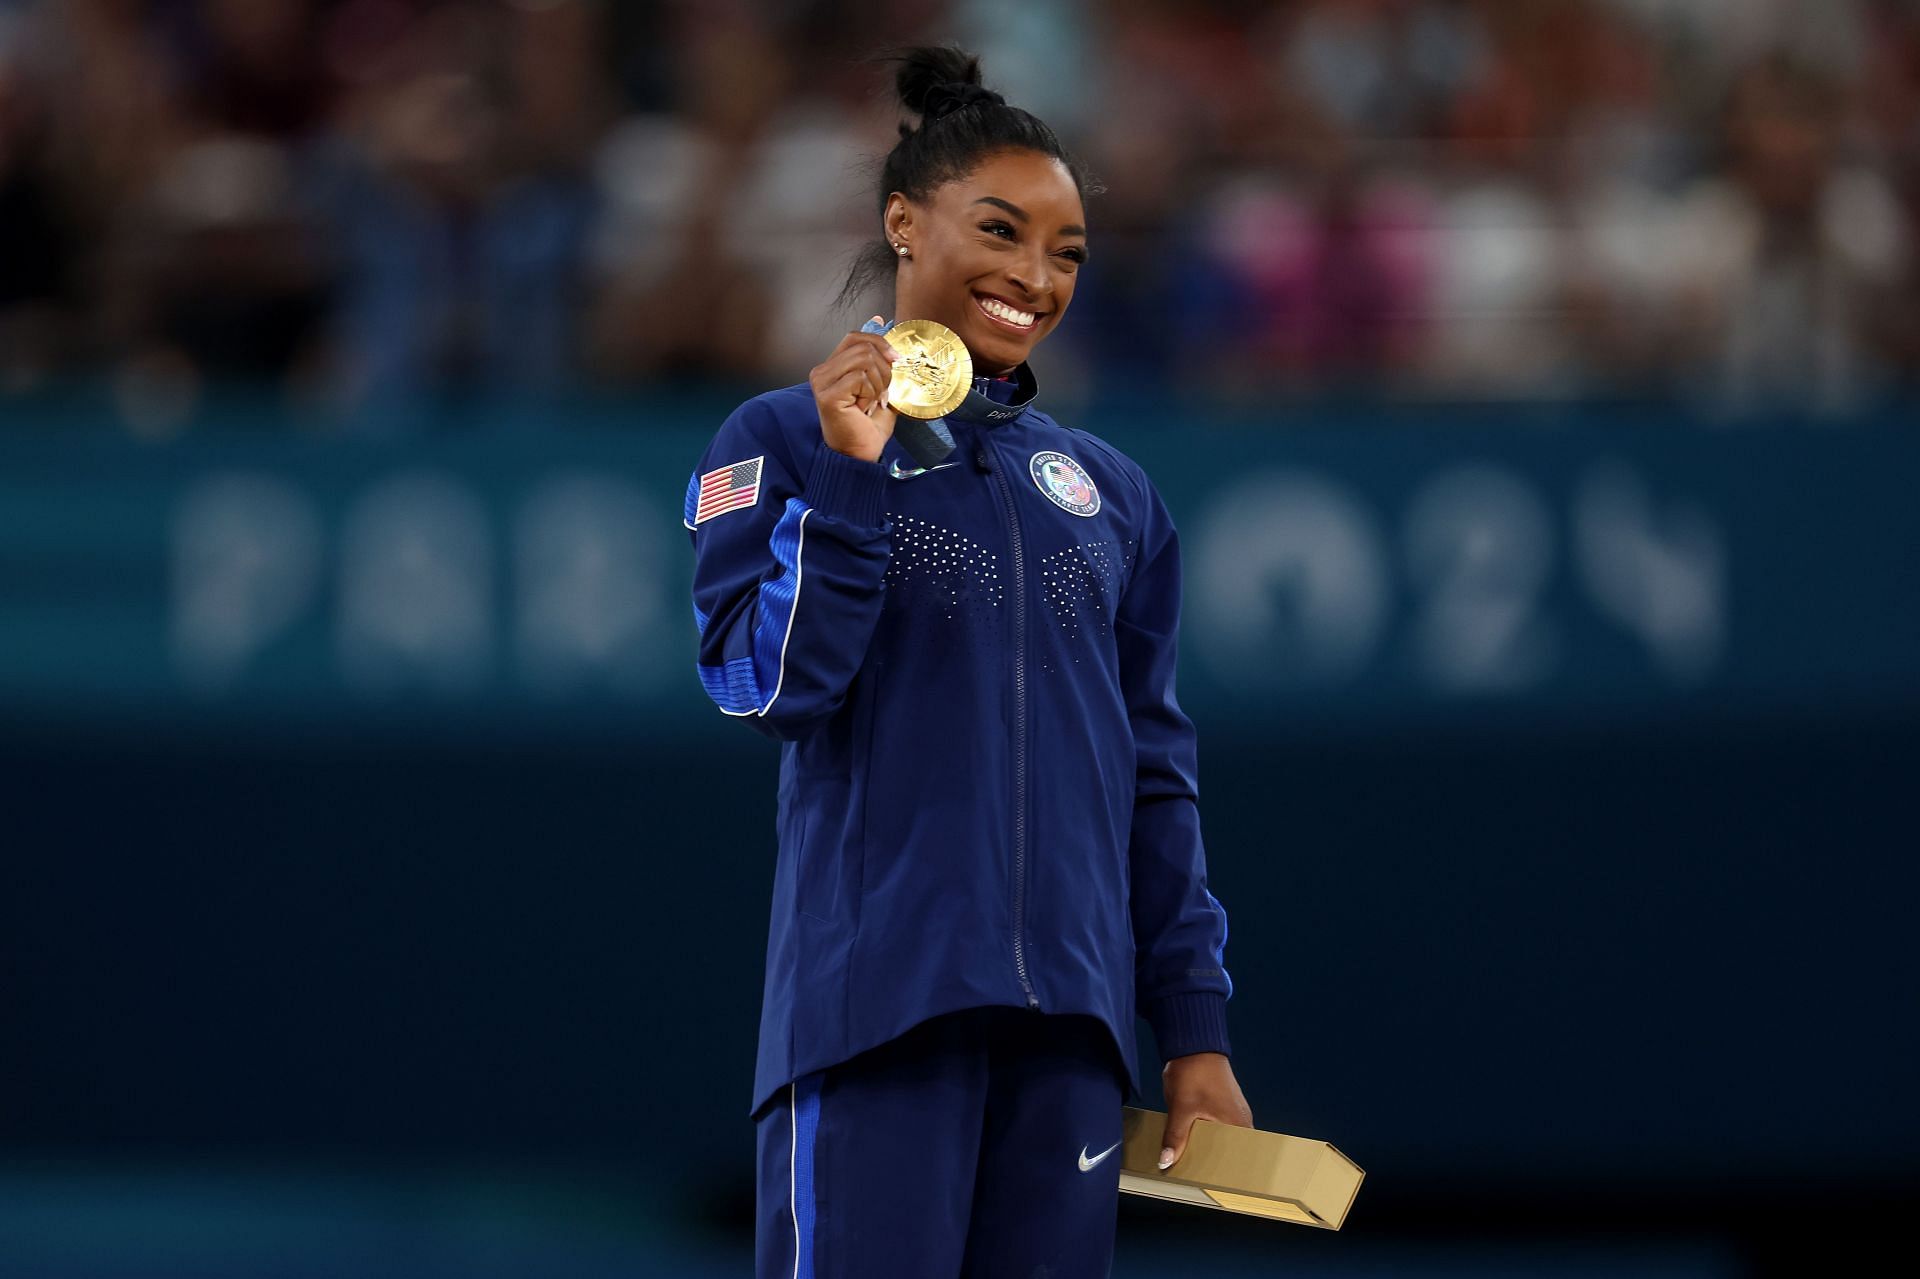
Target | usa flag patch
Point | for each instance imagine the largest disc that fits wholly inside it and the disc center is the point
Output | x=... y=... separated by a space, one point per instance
x=728 y=488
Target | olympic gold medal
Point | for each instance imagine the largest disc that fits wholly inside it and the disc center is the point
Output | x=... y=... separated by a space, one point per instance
x=934 y=373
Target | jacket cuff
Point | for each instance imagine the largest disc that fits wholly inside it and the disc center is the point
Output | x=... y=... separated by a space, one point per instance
x=846 y=488
x=1195 y=1022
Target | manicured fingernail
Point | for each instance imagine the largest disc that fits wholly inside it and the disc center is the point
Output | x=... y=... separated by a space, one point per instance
x=878 y=319
x=1166 y=1157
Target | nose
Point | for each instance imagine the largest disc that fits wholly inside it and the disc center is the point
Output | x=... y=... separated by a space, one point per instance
x=1030 y=275
x=1032 y=281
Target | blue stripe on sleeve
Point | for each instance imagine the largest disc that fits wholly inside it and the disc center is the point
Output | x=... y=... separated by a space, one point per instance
x=748 y=685
x=733 y=686
x=693 y=499
x=778 y=598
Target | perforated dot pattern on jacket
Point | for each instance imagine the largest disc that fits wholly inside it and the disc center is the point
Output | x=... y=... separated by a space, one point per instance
x=1082 y=585
x=943 y=572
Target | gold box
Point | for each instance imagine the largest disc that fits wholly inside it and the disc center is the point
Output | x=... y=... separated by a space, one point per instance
x=1265 y=1174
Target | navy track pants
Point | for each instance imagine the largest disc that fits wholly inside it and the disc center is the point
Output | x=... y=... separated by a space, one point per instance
x=982 y=1144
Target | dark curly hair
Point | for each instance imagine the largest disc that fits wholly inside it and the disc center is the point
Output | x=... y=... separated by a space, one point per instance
x=961 y=123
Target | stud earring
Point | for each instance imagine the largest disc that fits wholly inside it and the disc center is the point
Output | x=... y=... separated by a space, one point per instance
x=901 y=249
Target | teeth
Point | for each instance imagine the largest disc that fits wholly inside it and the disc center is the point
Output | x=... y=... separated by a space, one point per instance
x=993 y=306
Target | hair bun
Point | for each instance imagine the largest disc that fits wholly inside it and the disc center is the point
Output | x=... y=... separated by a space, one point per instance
x=930 y=72
x=945 y=99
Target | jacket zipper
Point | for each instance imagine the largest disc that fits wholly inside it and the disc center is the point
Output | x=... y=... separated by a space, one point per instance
x=1019 y=594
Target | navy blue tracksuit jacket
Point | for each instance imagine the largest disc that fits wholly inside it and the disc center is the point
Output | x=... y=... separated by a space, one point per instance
x=987 y=789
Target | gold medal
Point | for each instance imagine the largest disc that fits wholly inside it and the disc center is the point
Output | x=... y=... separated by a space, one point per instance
x=934 y=373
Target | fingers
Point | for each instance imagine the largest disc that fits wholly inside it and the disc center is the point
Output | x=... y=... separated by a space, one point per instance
x=1179 y=1127
x=858 y=372
x=863 y=384
x=1180 y=1131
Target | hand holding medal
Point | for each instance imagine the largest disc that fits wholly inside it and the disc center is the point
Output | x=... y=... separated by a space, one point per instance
x=932 y=373
x=850 y=391
x=919 y=369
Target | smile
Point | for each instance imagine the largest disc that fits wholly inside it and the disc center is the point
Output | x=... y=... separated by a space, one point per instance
x=1003 y=314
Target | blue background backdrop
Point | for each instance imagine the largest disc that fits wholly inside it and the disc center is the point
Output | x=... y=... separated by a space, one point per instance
x=382 y=896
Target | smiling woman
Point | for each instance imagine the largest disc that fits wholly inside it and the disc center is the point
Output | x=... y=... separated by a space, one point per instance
x=989 y=840
x=982 y=211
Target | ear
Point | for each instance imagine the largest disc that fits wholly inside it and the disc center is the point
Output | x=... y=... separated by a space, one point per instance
x=898 y=219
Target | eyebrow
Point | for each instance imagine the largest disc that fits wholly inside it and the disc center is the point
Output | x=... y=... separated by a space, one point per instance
x=1071 y=228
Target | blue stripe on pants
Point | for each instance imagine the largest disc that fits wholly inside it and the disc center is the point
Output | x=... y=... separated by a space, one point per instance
x=951 y=1152
x=805 y=1122
x=787 y=1225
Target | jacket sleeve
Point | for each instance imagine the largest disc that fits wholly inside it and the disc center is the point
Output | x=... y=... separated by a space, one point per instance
x=787 y=586
x=1179 y=929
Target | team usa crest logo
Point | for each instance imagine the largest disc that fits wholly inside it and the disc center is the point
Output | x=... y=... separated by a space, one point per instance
x=1065 y=482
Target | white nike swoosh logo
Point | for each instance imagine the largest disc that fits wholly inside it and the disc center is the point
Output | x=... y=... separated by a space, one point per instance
x=1087 y=1165
x=917 y=471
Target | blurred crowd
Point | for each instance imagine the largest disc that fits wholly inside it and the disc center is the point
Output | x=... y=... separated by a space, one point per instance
x=356 y=203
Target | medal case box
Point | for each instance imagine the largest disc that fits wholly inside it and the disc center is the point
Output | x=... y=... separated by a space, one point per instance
x=1244 y=1170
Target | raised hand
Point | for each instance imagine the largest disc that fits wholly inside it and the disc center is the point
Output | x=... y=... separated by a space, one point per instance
x=850 y=392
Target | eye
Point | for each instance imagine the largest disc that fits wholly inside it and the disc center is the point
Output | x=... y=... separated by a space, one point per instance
x=995 y=228
x=1076 y=256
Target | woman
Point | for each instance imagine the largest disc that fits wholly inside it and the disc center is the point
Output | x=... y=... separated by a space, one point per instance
x=990 y=852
